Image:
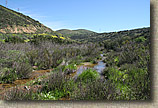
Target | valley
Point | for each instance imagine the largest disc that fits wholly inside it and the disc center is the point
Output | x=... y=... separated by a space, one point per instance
x=37 y=63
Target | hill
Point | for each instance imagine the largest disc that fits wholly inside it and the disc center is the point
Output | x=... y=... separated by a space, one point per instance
x=75 y=33
x=99 y=37
x=15 y=22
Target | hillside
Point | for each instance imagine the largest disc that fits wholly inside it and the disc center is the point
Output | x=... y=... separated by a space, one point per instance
x=15 y=22
x=99 y=37
x=75 y=33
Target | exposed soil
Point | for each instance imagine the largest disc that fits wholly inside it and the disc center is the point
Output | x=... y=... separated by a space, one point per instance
x=18 y=82
x=22 y=29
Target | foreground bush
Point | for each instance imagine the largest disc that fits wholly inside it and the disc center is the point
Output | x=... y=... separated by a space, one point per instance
x=13 y=65
x=58 y=86
x=93 y=90
x=88 y=74
x=132 y=83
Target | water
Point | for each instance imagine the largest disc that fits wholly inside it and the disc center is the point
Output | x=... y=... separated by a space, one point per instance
x=81 y=69
x=101 y=55
x=99 y=67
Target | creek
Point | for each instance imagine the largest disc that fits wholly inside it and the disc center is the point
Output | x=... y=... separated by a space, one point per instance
x=99 y=67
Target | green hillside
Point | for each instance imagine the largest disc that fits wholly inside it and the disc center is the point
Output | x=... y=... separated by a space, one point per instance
x=14 y=22
x=75 y=33
x=99 y=37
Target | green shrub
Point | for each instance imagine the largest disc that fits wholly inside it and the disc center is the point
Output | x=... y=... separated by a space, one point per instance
x=17 y=93
x=32 y=57
x=131 y=82
x=14 y=65
x=88 y=74
x=58 y=84
x=93 y=90
x=140 y=39
x=71 y=67
x=23 y=70
x=7 y=75
x=14 y=39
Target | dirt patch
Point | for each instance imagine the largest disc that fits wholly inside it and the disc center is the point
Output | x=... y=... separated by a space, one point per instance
x=88 y=64
x=35 y=74
x=22 y=29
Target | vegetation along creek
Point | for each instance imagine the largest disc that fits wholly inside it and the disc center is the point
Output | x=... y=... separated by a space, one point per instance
x=99 y=67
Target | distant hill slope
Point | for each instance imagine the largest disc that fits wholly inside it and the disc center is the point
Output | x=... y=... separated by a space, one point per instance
x=99 y=37
x=15 y=22
x=70 y=33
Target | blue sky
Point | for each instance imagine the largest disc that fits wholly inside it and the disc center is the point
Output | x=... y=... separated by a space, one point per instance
x=95 y=15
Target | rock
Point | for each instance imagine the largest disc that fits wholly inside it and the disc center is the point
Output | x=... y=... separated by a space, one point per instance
x=26 y=87
x=34 y=67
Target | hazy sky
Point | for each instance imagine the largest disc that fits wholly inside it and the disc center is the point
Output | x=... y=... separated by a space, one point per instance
x=95 y=15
